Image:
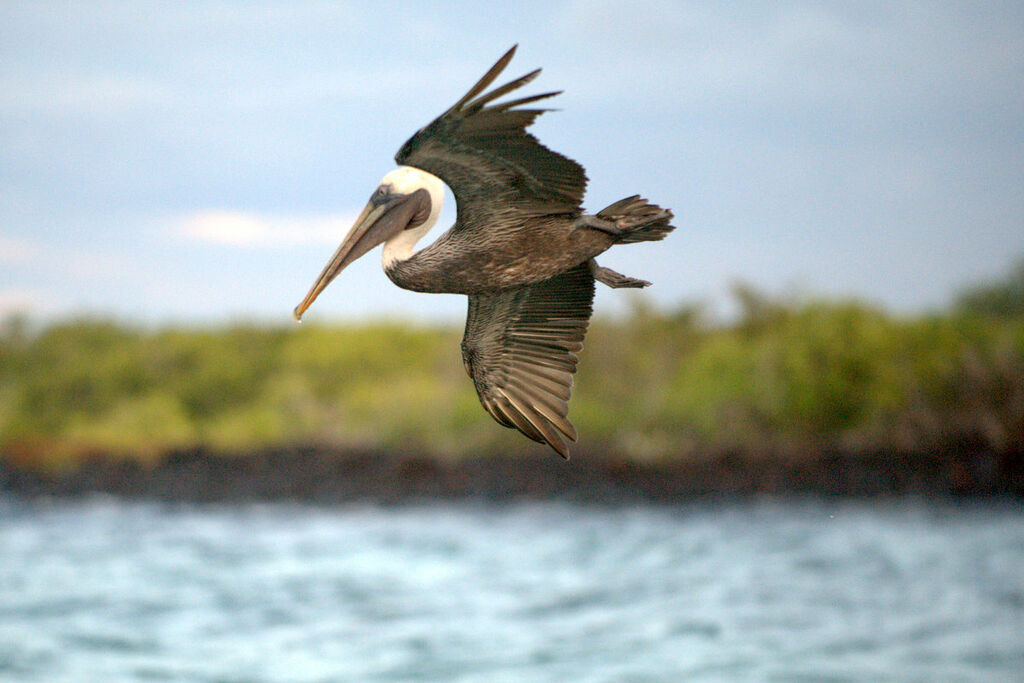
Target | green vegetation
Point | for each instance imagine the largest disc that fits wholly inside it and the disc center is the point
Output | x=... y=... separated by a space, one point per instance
x=1003 y=298
x=785 y=379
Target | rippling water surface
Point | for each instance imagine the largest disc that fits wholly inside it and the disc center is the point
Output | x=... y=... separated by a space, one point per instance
x=102 y=590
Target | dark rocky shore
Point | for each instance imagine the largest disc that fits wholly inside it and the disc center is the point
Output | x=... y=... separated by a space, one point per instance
x=330 y=476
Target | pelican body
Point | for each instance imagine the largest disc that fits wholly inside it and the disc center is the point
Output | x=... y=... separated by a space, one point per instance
x=522 y=249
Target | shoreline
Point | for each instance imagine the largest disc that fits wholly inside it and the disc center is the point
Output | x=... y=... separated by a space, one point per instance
x=327 y=475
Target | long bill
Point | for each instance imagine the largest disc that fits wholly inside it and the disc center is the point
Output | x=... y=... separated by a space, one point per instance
x=374 y=225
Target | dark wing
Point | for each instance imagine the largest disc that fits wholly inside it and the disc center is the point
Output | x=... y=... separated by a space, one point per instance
x=484 y=154
x=519 y=349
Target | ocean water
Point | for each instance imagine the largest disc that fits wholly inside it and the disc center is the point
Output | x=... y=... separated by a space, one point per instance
x=104 y=590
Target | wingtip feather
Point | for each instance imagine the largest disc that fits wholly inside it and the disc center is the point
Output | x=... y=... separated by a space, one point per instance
x=487 y=78
x=514 y=84
x=539 y=424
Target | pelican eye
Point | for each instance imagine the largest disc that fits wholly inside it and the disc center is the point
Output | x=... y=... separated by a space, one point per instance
x=380 y=195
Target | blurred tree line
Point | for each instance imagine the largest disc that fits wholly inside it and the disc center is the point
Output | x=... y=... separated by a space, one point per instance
x=1002 y=298
x=789 y=378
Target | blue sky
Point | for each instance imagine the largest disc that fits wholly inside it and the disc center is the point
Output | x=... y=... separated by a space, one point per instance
x=200 y=161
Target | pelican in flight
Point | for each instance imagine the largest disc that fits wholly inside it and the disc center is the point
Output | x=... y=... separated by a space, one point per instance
x=521 y=249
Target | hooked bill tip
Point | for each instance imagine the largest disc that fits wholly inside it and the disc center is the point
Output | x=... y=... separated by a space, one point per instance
x=297 y=314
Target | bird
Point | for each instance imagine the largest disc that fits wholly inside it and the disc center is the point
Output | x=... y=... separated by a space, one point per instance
x=521 y=249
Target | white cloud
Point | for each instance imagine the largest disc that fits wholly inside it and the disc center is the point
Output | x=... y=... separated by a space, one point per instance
x=60 y=262
x=260 y=231
x=15 y=251
x=14 y=301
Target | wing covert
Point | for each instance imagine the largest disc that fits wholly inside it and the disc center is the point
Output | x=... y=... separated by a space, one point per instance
x=484 y=154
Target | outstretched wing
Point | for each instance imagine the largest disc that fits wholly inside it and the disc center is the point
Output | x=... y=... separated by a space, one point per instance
x=484 y=154
x=519 y=350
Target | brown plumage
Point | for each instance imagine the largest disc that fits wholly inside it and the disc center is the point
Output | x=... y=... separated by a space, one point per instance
x=521 y=248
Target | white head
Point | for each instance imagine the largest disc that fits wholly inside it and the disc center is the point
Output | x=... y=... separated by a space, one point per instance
x=403 y=208
x=405 y=180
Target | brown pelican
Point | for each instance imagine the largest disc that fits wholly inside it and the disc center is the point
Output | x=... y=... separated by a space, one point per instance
x=521 y=248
